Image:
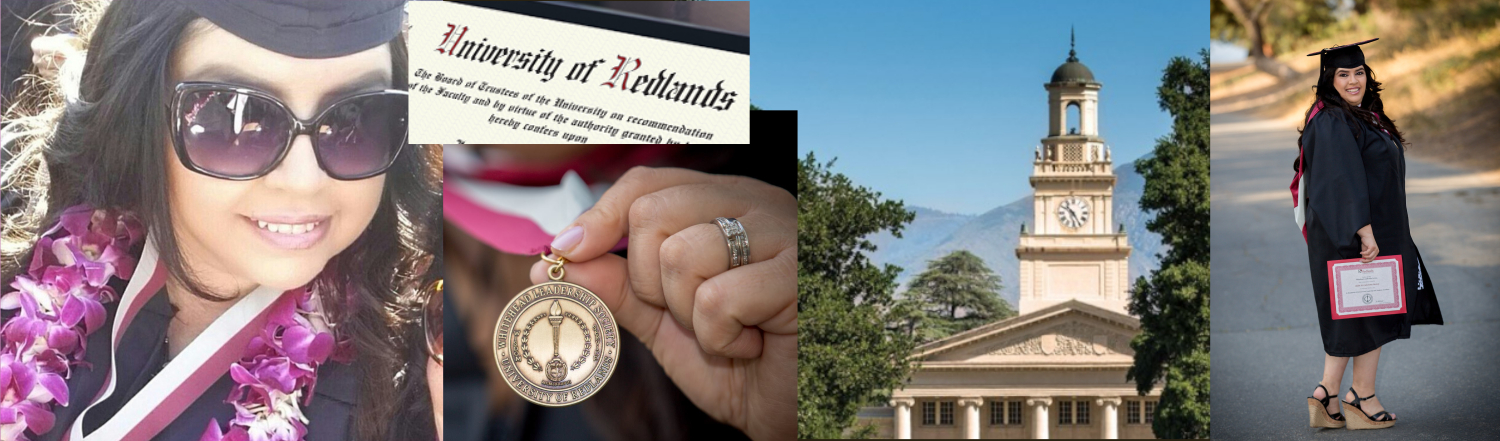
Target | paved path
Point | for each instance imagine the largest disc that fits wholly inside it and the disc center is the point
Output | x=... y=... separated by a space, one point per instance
x=1444 y=382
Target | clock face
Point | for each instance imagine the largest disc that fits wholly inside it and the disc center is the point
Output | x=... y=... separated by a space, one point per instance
x=1073 y=212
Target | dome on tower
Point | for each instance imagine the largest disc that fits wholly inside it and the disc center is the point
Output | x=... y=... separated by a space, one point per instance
x=1073 y=71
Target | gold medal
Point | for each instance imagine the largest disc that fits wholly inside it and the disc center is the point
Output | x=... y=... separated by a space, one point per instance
x=556 y=343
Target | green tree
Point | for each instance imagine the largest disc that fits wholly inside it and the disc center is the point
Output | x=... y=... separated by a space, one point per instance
x=1173 y=345
x=910 y=316
x=847 y=356
x=752 y=107
x=1269 y=28
x=957 y=292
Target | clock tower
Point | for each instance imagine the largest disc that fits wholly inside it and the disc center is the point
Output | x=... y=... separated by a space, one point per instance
x=1074 y=250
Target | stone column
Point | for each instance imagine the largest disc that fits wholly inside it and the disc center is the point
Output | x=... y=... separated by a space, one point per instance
x=1111 y=424
x=903 y=416
x=1039 y=416
x=971 y=415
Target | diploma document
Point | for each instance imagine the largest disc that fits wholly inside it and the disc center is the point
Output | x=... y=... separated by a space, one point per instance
x=569 y=73
x=1366 y=289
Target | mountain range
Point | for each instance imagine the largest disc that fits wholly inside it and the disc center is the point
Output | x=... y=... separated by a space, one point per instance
x=994 y=234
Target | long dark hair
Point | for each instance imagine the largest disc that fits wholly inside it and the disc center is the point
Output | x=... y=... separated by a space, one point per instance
x=105 y=150
x=1371 y=109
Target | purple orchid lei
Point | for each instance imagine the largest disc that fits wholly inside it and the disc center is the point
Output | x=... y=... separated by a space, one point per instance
x=61 y=301
x=279 y=369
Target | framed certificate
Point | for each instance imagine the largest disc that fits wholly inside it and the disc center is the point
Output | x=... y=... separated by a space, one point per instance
x=1366 y=289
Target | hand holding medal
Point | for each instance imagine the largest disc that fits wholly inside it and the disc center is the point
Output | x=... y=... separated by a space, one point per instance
x=710 y=288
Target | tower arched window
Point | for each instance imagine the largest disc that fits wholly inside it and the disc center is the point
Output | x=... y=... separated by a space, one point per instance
x=1074 y=118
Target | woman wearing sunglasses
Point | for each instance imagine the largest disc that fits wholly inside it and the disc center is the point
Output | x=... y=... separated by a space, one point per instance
x=220 y=236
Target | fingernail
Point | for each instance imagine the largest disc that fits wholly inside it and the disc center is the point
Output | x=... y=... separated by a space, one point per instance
x=568 y=239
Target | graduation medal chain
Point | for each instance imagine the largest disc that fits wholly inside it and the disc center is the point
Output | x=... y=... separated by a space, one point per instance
x=556 y=343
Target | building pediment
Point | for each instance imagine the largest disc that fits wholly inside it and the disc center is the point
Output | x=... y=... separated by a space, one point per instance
x=1069 y=333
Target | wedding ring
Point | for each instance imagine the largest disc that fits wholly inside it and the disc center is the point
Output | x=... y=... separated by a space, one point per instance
x=739 y=242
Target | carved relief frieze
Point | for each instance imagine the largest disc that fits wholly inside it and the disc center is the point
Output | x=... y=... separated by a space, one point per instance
x=1072 y=338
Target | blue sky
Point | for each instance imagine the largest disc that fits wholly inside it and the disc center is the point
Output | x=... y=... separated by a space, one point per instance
x=941 y=103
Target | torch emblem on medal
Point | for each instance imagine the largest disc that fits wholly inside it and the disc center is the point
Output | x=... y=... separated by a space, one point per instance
x=557 y=369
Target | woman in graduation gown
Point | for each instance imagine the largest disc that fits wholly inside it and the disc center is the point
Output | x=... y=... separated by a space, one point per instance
x=221 y=231
x=1353 y=181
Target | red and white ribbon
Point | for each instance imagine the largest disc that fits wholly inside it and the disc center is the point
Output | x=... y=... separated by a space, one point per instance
x=188 y=375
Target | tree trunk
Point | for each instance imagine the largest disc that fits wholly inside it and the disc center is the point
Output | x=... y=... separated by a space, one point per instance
x=1251 y=19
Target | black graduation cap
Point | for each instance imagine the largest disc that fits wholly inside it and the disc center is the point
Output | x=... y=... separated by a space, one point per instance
x=1348 y=56
x=306 y=28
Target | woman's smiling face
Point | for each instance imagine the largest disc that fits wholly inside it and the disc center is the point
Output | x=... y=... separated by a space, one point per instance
x=1350 y=84
x=309 y=217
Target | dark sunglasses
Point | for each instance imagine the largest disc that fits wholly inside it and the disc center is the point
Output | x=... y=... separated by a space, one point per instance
x=238 y=133
x=432 y=320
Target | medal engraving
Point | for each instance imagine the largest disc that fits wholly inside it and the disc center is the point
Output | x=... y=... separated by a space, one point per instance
x=584 y=344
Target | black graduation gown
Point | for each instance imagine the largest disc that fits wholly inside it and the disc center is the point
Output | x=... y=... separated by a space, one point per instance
x=1355 y=180
x=143 y=354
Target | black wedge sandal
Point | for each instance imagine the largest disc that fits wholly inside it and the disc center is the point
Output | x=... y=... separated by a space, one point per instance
x=1379 y=420
x=1317 y=411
